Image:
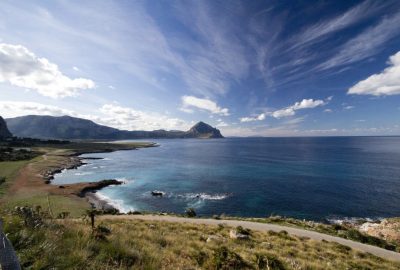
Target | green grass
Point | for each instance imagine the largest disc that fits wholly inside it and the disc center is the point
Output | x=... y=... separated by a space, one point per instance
x=134 y=244
x=9 y=170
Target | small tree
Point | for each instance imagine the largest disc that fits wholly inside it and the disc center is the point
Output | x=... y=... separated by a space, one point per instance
x=91 y=213
x=190 y=212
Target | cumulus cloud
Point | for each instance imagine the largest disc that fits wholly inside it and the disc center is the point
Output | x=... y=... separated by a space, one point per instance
x=111 y=115
x=385 y=83
x=259 y=117
x=191 y=102
x=130 y=119
x=22 y=68
x=304 y=104
x=18 y=108
x=289 y=111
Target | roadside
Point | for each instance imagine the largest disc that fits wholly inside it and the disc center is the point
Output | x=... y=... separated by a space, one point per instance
x=380 y=252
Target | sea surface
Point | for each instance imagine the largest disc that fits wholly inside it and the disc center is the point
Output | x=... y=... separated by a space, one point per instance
x=311 y=178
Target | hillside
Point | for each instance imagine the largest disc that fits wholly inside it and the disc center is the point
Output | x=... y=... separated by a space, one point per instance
x=4 y=132
x=66 y=127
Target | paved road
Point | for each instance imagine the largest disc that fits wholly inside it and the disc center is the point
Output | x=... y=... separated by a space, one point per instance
x=264 y=227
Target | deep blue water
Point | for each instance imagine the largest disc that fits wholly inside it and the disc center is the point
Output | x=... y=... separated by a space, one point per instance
x=312 y=178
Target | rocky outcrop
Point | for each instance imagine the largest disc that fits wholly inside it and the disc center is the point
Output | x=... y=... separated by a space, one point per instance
x=205 y=131
x=95 y=186
x=387 y=229
x=4 y=132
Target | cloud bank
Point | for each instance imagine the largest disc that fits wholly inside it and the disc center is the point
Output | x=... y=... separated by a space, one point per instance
x=20 y=67
x=385 y=83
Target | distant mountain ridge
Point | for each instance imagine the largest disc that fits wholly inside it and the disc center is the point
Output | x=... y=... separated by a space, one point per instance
x=4 y=132
x=67 y=127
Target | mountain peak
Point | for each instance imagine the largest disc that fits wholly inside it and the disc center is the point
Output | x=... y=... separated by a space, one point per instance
x=203 y=130
x=4 y=132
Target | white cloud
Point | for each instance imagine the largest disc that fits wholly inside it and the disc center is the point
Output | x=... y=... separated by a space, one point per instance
x=130 y=119
x=349 y=107
x=259 y=117
x=289 y=111
x=385 y=83
x=328 y=110
x=190 y=102
x=18 y=108
x=22 y=68
x=111 y=115
x=304 y=104
x=366 y=44
x=75 y=68
x=222 y=124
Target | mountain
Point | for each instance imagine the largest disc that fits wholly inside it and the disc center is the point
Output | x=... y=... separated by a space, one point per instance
x=4 y=132
x=67 y=127
x=203 y=130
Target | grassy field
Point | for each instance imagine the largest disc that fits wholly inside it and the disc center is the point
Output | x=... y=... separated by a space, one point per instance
x=9 y=170
x=120 y=244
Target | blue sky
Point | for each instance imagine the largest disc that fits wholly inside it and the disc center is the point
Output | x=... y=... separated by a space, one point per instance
x=251 y=68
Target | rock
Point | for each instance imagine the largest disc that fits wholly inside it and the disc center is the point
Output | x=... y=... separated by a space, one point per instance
x=388 y=229
x=215 y=238
x=157 y=193
x=235 y=235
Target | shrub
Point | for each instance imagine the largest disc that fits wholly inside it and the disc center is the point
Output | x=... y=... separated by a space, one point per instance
x=226 y=259
x=268 y=261
x=2 y=180
x=241 y=230
x=190 y=212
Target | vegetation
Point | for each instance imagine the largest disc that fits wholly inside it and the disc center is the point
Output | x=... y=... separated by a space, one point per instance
x=12 y=154
x=45 y=243
x=190 y=212
x=347 y=231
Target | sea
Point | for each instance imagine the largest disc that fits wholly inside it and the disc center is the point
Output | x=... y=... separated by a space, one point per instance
x=313 y=178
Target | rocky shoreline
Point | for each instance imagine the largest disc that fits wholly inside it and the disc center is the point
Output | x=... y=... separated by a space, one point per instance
x=73 y=160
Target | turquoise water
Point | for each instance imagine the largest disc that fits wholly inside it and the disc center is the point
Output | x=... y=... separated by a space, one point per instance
x=312 y=178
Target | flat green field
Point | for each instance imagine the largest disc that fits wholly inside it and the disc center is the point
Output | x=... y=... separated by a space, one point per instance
x=9 y=170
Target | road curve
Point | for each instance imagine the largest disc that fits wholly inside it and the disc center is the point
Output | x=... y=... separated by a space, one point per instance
x=265 y=227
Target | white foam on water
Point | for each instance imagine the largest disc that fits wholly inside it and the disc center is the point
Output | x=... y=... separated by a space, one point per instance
x=83 y=173
x=116 y=203
x=205 y=196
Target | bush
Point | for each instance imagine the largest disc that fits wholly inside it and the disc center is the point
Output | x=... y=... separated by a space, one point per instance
x=241 y=230
x=367 y=239
x=2 y=180
x=190 y=212
x=226 y=259
x=268 y=261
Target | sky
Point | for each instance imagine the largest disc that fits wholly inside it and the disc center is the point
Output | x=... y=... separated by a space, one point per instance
x=249 y=68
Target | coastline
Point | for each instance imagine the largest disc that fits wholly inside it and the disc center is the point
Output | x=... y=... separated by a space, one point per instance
x=88 y=190
x=32 y=184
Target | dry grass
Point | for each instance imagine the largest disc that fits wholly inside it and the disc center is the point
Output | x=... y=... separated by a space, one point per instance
x=135 y=244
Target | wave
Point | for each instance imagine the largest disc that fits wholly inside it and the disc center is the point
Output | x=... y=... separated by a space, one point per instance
x=125 y=180
x=83 y=173
x=352 y=220
x=204 y=196
x=191 y=196
x=116 y=203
